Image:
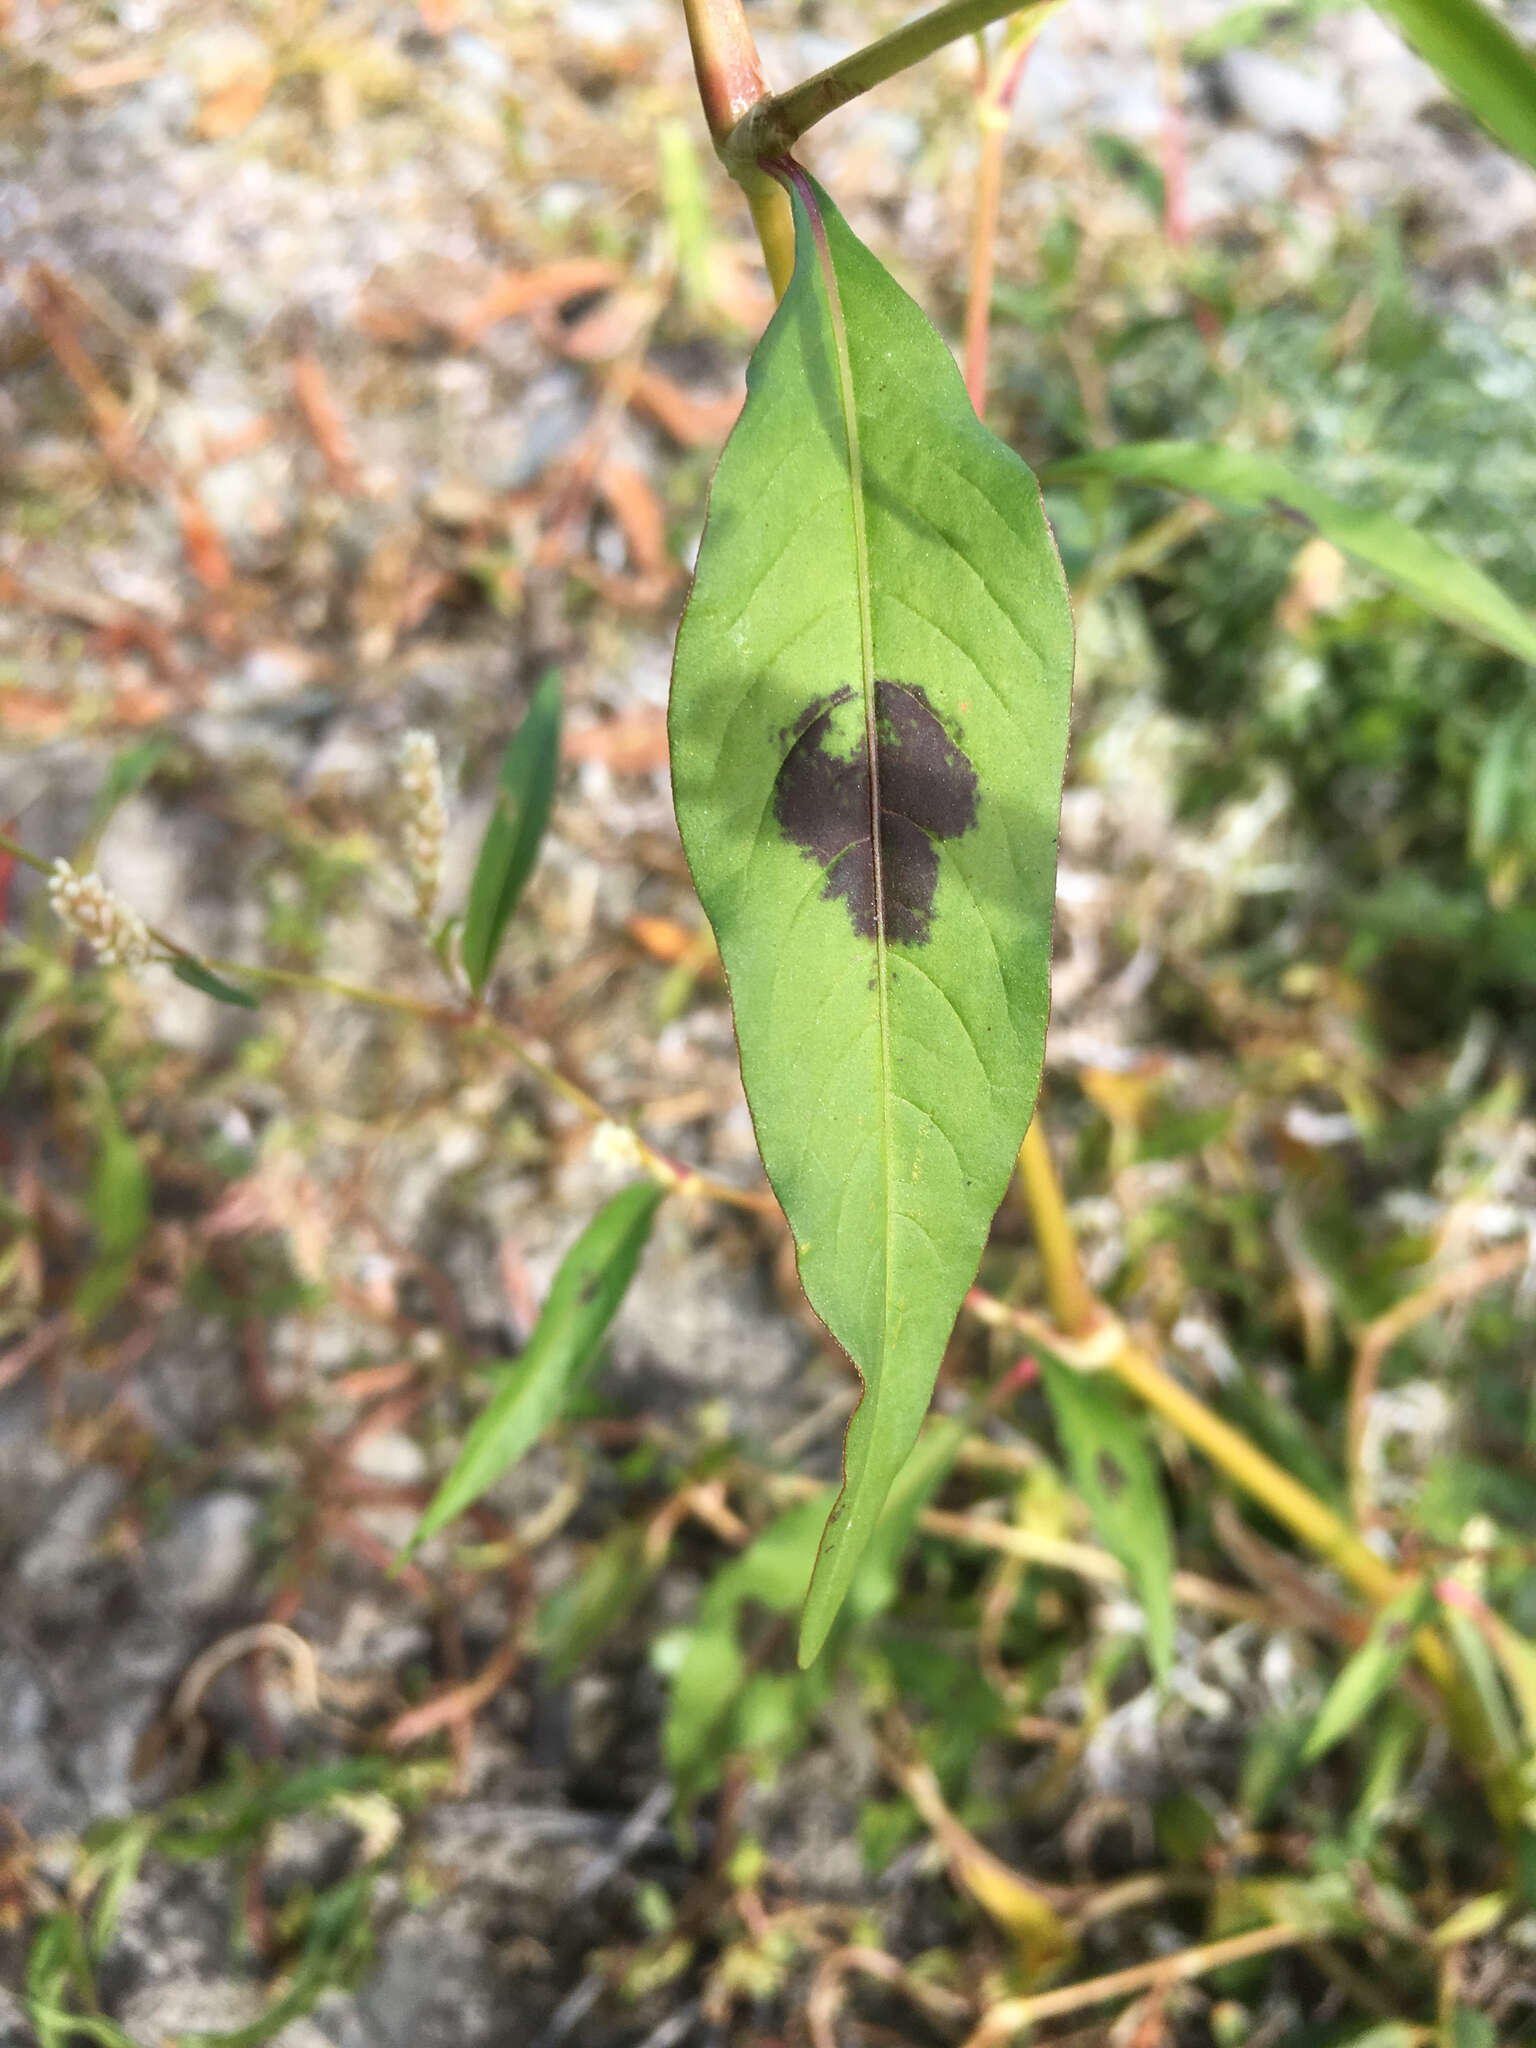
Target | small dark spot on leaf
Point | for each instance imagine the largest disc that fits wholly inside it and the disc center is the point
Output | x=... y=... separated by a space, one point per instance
x=1111 y=1474
x=928 y=790
x=587 y=1292
x=1290 y=512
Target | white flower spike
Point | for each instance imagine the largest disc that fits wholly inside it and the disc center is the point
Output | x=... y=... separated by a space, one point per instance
x=85 y=906
x=426 y=816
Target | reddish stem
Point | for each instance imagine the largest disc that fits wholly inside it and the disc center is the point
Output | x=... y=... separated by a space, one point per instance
x=995 y=108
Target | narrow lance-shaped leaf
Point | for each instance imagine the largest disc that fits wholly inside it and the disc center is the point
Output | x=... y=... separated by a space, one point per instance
x=524 y=794
x=868 y=728
x=128 y=773
x=1445 y=584
x=530 y=1395
x=1113 y=1470
x=119 y=1205
x=1479 y=60
x=207 y=983
x=877 y=1581
x=1373 y=1667
x=120 y=1197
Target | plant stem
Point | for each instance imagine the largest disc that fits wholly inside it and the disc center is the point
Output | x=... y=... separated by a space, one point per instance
x=774 y=220
x=989 y=191
x=1109 y=1349
x=776 y=122
x=681 y=1179
x=672 y=1173
x=725 y=63
x=1144 y=551
x=1073 y=1307
x=730 y=78
x=1377 y=1338
x=27 y=858
x=1325 y=1533
x=1013 y=2015
x=998 y=90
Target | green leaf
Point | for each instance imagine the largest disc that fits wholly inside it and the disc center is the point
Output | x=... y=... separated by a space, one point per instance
x=130 y=769
x=878 y=1579
x=1113 y=1469
x=582 y=1613
x=878 y=626
x=1125 y=161
x=712 y=1671
x=707 y=1715
x=1501 y=826
x=1469 y=2029
x=1241 y=481
x=1371 y=1670
x=1513 y=1652
x=531 y=1394
x=1390 y=2034
x=1472 y=1920
x=1247 y=25
x=1482 y=1669
x=1479 y=60
x=119 y=1201
x=58 y=1974
x=524 y=793
x=202 y=978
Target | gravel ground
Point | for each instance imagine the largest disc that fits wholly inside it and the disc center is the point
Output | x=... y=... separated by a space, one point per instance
x=214 y=200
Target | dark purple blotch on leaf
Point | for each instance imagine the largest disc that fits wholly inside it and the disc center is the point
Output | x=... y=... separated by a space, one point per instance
x=928 y=789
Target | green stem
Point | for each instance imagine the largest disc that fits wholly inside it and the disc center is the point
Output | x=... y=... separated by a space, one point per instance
x=670 y=1172
x=27 y=858
x=776 y=122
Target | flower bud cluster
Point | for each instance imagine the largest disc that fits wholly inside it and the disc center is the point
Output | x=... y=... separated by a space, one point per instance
x=87 y=907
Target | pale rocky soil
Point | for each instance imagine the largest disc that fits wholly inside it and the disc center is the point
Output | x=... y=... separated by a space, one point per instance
x=389 y=174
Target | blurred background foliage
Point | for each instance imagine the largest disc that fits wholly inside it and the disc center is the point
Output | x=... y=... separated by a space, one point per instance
x=348 y=450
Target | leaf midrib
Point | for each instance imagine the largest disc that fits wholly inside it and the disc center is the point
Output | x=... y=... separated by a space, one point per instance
x=849 y=409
